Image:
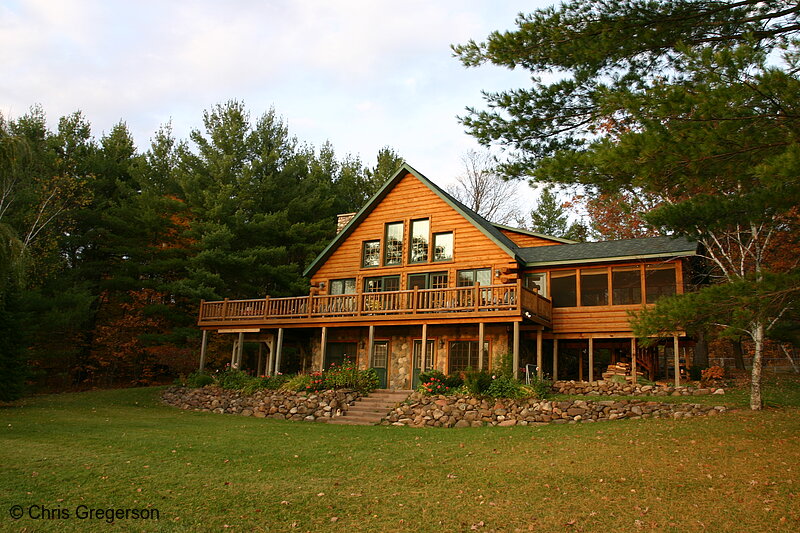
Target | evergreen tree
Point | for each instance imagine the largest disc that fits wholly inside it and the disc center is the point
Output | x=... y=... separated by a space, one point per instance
x=549 y=216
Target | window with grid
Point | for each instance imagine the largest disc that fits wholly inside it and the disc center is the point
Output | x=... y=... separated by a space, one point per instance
x=463 y=355
x=476 y=276
x=420 y=234
x=371 y=254
x=380 y=354
x=393 y=254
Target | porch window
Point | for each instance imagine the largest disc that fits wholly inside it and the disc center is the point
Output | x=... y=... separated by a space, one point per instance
x=477 y=276
x=594 y=286
x=537 y=281
x=393 y=254
x=626 y=285
x=420 y=235
x=464 y=355
x=443 y=246
x=428 y=280
x=659 y=280
x=343 y=286
x=382 y=284
x=371 y=254
x=564 y=286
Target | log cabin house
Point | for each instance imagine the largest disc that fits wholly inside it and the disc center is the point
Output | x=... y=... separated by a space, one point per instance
x=417 y=281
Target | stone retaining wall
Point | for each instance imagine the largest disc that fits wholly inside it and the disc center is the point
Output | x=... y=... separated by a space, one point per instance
x=308 y=406
x=609 y=388
x=465 y=411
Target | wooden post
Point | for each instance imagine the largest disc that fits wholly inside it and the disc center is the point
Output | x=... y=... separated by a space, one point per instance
x=555 y=359
x=539 y=360
x=370 y=347
x=271 y=361
x=476 y=293
x=414 y=300
x=203 y=346
x=260 y=359
x=233 y=353
x=239 y=349
x=224 y=308
x=677 y=359
x=633 y=361
x=278 y=350
x=591 y=359
x=580 y=364
x=266 y=306
x=423 y=348
x=323 y=348
x=481 y=341
x=515 y=359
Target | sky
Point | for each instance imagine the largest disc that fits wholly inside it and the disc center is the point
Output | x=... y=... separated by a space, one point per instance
x=360 y=74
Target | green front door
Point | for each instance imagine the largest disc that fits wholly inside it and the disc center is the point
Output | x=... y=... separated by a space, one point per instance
x=380 y=361
x=419 y=365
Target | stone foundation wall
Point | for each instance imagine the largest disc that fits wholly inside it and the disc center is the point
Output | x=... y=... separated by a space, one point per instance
x=310 y=407
x=465 y=411
x=612 y=388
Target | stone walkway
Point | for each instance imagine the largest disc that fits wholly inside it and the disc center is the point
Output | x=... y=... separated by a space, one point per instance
x=370 y=410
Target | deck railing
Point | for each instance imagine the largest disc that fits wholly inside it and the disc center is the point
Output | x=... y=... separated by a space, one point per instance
x=502 y=299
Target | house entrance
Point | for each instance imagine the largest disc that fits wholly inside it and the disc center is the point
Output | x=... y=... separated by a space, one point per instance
x=380 y=361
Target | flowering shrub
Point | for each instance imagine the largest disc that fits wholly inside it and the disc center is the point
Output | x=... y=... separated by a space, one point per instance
x=317 y=381
x=434 y=386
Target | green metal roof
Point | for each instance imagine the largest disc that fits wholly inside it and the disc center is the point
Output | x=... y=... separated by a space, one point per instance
x=487 y=228
x=593 y=252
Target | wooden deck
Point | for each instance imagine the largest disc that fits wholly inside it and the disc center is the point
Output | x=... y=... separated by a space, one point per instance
x=492 y=303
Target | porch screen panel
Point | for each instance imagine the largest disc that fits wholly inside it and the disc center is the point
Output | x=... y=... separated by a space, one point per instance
x=659 y=280
x=626 y=285
x=564 y=288
x=594 y=286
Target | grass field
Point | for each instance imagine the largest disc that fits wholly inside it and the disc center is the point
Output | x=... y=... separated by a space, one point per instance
x=205 y=472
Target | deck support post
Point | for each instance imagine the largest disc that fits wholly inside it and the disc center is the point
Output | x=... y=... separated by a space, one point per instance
x=555 y=359
x=515 y=360
x=260 y=359
x=677 y=357
x=633 y=361
x=424 y=348
x=591 y=359
x=481 y=341
x=539 y=360
x=278 y=351
x=271 y=357
x=370 y=346
x=203 y=347
x=233 y=354
x=323 y=348
x=239 y=348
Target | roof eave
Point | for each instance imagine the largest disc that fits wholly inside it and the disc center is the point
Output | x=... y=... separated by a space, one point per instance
x=686 y=253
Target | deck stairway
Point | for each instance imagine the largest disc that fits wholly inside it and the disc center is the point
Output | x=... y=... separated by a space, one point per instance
x=369 y=410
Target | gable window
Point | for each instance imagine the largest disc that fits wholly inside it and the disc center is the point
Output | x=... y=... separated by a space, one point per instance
x=393 y=253
x=626 y=285
x=594 y=286
x=464 y=355
x=476 y=276
x=343 y=286
x=537 y=281
x=659 y=280
x=443 y=246
x=563 y=285
x=382 y=284
x=371 y=253
x=420 y=234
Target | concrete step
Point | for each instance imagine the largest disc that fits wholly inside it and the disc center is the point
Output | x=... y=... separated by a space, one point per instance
x=370 y=410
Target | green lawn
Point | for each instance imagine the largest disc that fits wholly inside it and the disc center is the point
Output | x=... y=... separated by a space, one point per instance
x=123 y=449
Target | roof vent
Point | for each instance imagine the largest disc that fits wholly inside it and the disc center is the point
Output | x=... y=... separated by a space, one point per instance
x=342 y=220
